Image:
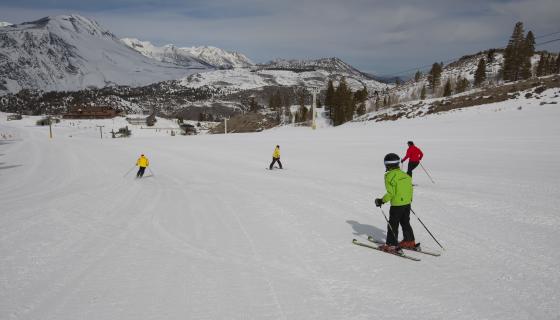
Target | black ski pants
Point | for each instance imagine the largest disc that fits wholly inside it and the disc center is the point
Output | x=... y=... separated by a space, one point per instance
x=399 y=215
x=140 y=173
x=411 y=166
x=274 y=160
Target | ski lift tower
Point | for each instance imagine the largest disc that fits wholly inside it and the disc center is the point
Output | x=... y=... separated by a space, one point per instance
x=314 y=91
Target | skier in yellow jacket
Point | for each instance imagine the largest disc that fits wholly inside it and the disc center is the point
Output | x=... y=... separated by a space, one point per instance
x=142 y=163
x=276 y=157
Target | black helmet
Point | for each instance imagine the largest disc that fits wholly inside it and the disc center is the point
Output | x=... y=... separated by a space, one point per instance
x=410 y=143
x=391 y=161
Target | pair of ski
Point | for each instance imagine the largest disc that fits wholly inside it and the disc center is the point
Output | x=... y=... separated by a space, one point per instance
x=399 y=254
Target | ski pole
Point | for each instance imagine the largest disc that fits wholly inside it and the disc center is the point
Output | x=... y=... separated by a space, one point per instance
x=151 y=172
x=427 y=173
x=129 y=171
x=417 y=217
x=390 y=228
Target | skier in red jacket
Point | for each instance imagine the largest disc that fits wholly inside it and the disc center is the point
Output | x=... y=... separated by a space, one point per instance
x=414 y=155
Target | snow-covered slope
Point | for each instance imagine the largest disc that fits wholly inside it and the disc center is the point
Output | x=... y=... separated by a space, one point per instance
x=307 y=73
x=210 y=234
x=72 y=52
x=168 y=53
x=212 y=56
x=463 y=68
x=4 y=24
x=333 y=65
x=219 y=57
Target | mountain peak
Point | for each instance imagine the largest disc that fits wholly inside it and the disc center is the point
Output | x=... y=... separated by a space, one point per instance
x=212 y=56
x=68 y=52
x=68 y=24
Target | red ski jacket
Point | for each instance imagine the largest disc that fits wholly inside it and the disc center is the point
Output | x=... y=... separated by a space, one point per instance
x=414 y=154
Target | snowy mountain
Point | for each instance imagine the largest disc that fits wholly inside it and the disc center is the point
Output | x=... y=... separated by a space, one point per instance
x=71 y=52
x=219 y=57
x=168 y=53
x=4 y=24
x=333 y=65
x=305 y=73
x=211 y=56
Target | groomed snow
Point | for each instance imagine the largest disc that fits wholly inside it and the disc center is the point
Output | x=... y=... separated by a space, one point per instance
x=210 y=234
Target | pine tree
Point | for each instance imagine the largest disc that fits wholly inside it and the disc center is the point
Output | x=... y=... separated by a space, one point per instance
x=329 y=100
x=527 y=53
x=513 y=55
x=557 y=63
x=344 y=103
x=461 y=84
x=550 y=66
x=480 y=73
x=302 y=112
x=338 y=107
x=253 y=105
x=434 y=77
x=417 y=76
x=540 y=65
x=423 y=93
x=490 y=56
x=361 y=109
x=447 y=88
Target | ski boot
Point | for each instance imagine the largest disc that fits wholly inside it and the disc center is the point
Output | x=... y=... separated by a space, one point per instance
x=411 y=245
x=391 y=249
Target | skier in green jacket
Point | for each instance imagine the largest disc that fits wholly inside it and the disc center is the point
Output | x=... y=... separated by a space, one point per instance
x=399 y=193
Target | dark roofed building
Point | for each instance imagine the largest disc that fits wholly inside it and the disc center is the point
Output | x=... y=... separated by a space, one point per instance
x=91 y=113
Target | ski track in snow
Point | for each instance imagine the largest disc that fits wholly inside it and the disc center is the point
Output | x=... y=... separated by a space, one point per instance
x=210 y=235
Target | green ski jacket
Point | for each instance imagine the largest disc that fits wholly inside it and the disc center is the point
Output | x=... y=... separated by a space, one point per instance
x=399 y=188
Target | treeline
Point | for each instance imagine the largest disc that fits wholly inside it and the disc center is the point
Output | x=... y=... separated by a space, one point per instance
x=165 y=96
x=342 y=104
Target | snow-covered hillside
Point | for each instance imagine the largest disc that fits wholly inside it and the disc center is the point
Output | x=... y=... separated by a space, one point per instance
x=4 y=24
x=210 y=234
x=282 y=75
x=463 y=68
x=211 y=56
x=71 y=52
x=334 y=65
x=220 y=58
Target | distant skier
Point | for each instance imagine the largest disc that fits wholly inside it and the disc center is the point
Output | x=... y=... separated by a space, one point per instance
x=399 y=192
x=142 y=163
x=414 y=156
x=276 y=157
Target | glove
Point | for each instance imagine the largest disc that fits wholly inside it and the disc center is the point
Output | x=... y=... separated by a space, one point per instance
x=378 y=202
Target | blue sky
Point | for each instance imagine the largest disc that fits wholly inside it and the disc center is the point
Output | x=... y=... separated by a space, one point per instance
x=383 y=37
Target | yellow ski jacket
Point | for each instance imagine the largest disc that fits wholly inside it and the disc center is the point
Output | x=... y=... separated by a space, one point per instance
x=142 y=162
